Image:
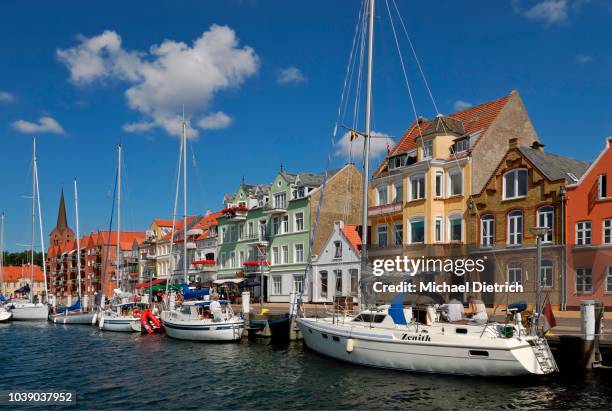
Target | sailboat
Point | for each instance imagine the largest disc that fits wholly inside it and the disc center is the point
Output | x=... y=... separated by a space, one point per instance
x=390 y=337
x=5 y=314
x=123 y=314
x=74 y=314
x=31 y=309
x=195 y=320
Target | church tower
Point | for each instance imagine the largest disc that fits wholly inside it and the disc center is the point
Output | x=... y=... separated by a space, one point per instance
x=61 y=234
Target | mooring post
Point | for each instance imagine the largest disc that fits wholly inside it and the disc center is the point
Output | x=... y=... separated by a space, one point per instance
x=246 y=311
x=590 y=326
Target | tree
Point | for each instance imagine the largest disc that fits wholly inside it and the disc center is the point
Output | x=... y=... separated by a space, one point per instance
x=23 y=257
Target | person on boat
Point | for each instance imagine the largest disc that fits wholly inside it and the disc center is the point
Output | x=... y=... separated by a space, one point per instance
x=478 y=311
x=453 y=310
x=215 y=308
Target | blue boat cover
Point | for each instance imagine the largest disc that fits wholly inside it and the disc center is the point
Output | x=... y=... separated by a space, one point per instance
x=73 y=307
x=2 y=298
x=194 y=294
x=23 y=290
x=396 y=311
x=207 y=303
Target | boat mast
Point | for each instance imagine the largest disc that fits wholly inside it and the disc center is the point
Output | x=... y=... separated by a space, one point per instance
x=2 y=253
x=78 y=240
x=366 y=156
x=33 y=217
x=118 y=252
x=184 y=199
x=40 y=226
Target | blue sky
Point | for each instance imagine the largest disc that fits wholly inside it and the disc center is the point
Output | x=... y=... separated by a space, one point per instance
x=84 y=77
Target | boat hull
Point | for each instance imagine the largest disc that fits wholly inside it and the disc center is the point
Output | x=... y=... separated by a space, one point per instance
x=72 y=318
x=197 y=331
x=120 y=324
x=5 y=315
x=30 y=312
x=377 y=350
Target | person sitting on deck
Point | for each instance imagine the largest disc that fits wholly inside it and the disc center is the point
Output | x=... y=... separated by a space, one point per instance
x=453 y=310
x=478 y=310
x=215 y=308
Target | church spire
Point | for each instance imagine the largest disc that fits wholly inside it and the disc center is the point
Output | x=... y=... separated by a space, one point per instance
x=62 y=222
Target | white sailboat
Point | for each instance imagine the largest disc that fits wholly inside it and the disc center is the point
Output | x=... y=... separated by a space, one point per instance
x=390 y=337
x=194 y=319
x=5 y=314
x=123 y=315
x=75 y=314
x=32 y=310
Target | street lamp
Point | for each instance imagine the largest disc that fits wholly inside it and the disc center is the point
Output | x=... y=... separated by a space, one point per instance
x=539 y=232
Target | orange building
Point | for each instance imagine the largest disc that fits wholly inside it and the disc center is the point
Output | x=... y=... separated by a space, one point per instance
x=15 y=277
x=589 y=233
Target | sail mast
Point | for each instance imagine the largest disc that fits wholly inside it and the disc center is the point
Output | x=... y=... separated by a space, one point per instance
x=118 y=252
x=366 y=154
x=184 y=198
x=40 y=226
x=78 y=240
x=2 y=253
x=33 y=217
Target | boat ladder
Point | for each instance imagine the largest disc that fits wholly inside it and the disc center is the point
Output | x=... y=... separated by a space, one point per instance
x=545 y=356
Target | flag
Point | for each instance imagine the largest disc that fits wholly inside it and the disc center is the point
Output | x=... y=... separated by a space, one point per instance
x=353 y=135
x=549 y=318
x=388 y=149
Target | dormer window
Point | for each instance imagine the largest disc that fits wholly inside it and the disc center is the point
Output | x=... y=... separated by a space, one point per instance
x=461 y=145
x=299 y=192
x=515 y=184
x=397 y=162
x=428 y=149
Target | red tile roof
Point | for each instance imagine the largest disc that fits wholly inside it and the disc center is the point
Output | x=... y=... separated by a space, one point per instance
x=476 y=118
x=14 y=273
x=163 y=223
x=126 y=238
x=353 y=236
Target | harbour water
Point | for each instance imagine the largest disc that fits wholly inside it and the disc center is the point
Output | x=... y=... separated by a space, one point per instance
x=123 y=370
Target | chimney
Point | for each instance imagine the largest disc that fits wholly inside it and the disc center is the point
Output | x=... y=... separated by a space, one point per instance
x=536 y=145
x=513 y=143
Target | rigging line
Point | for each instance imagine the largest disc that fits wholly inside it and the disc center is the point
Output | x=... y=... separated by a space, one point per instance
x=176 y=195
x=359 y=78
x=416 y=58
x=352 y=59
x=107 y=245
x=199 y=180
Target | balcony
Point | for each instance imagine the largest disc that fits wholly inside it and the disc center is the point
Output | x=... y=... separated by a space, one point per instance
x=258 y=240
x=256 y=266
x=238 y=213
x=204 y=265
x=278 y=208
x=385 y=209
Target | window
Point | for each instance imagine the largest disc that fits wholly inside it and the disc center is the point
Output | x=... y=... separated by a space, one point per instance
x=299 y=192
x=338 y=275
x=438 y=229
x=417 y=187
x=583 y=233
x=285 y=224
x=399 y=192
x=337 y=249
x=545 y=219
x=262 y=229
x=397 y=162
x=382 y=195
x=515 y=227
x=417 y=230
x=299 y=221
x=298 y=283
x=285 y=254
x=609 y=279
x=275 y=225
x=607 y=231
x=240 y=258
x=461 y=145
x=584 y=280
x=280 y=200
x=455 y=183
x=515 y=184
x=487 y=231
x=277 y=284
x=275 y=256
x=250 y=229
x=398 y=234
x=232 y=259
x=240 y=231
x=323 y=277
x=381 y=232
x=546 y=273
x=455 y=228
x=515 y=273
x=602 y=186
x=299 y=253
x=439 y=189
x=428 y=149
x=354 y=281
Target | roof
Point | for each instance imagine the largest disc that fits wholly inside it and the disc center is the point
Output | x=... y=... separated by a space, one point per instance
x=554 y=167
x=178 y=226
x=163 y=223
x=62 y=221
x=309 y=179
x=353 y=236
x=14 y=273
x=126 y=238
x=474 y=119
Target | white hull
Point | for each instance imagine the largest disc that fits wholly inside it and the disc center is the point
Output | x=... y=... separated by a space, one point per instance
x=407 y=350
x=204 y=330
x=120 y=324
x=72 y=318
x=30 y=312
x=5 y=315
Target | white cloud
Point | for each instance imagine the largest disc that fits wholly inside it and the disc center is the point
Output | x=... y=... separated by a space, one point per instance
x=461 y=105
x=583 y=59
x=378 y=146
x=137 y=127
x=291 y=75
x=6 y=97
x=45 y=124
x=169 y=76
x=548 y=11
x=215 y=121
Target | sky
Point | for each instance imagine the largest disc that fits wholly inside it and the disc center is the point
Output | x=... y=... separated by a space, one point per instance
x=261 y=82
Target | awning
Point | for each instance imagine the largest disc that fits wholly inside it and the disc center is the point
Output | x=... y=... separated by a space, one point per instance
x=229 y=280
x=203 y=262
x=150 y=283
x=250 y=282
